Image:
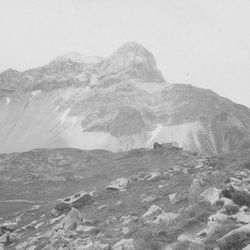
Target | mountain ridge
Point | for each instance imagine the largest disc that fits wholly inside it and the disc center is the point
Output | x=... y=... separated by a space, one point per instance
x=119 y=103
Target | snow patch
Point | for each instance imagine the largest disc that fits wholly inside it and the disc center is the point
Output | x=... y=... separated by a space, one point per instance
x=74 y=121
x=155 y=132
x=36 y=92
x=8 y=100
x=57 y=107
x=64 y=115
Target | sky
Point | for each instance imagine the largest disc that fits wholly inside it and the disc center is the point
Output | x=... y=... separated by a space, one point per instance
x=202 y=42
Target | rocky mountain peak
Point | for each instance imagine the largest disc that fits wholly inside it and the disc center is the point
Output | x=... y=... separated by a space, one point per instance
x=133 y=47
x=131 y=61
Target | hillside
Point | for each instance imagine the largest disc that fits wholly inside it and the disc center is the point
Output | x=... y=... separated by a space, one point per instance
x=115 y=103
x=142 y=199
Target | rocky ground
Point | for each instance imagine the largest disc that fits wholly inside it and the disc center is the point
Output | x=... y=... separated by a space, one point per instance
x=148 y=199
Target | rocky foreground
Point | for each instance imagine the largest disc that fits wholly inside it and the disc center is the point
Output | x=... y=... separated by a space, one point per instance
x=184 y=201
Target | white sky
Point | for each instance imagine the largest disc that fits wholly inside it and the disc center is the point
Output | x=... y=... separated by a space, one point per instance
x=208 y=39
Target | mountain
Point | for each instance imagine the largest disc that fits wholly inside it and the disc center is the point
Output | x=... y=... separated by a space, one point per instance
x=115 y=103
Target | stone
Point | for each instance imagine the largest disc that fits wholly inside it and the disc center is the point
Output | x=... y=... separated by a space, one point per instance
x=154 y=176
x=13 y=237
x=166 y=218
x=118 y=184
x=81 y=244
x=111 y=220
x=3 y=238
x=31 y=248
x=85 y=200
x=243 y=216
x=195 y=189
x=211 y=195
x=238 y=195
x=152 y=212
x=125 y=230
x=88 y=229
x=128 y=219
x=60 y=209
x=149 y=199
x=212 y=227
x=72 y=220
x=21 y=245
x=219 y=217
x=172 y=197
x=138 y=177
x=8 y=227
x=124 y=244
x=235 y=238
x=246 y=247
x=102 y=207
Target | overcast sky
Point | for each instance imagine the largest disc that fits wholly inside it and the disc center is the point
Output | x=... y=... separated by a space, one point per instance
x=202 y=42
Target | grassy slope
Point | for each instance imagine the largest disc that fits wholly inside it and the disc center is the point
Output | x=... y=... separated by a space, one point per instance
x=100 y=167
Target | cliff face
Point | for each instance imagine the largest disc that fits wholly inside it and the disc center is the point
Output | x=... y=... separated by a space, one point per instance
x=116 y=103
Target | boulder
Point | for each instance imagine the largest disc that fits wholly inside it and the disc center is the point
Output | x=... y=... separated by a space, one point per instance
x=167 y=219
x=21 y=245
x=243 y=216
x=235 y=239
x=246 y=247
x=61 y=208
x=87 y=244
x=154 y=176
x=238 y=195
x=228 y=206
x=219 y=217
x=195 y=189
x=149 y=199
x=212 y=227
x=172 y=197
x=125 y=230
x=88 y=229
x=9 y=238
x=138 y=177
x=3 y=238
x=8 y=227
x=124 y=244
x=111 y=220
x=223 y=201
x=85 y=200
x=72 y=220
x=152 y=212
x=128 y=219
x=119 y=184
x=211 y=195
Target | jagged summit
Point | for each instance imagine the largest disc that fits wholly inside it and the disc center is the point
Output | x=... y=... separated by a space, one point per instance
x=132 y=46
x=131 y=61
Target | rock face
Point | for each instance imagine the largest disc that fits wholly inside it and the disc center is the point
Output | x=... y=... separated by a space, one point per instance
x=115 y=103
